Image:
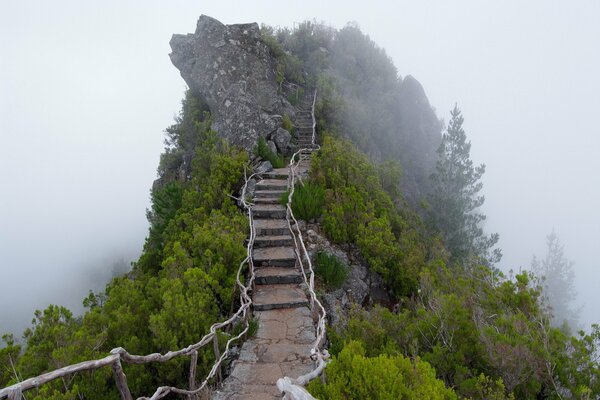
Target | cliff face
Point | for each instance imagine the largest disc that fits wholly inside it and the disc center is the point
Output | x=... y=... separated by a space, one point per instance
x=232 y=71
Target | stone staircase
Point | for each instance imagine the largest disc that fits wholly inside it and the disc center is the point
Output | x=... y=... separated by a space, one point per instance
x=304 y=128
x=286 y=329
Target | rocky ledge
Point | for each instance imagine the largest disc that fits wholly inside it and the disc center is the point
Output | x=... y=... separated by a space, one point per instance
x=231 y=69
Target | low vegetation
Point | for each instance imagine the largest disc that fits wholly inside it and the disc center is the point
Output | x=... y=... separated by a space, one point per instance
x=353 y=375
x=264 y=152
x=330 y=269
x=183 y=282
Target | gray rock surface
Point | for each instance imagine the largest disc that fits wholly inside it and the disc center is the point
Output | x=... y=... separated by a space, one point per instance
x=233 y=72
x=282 y=139
x=272 y=146
x=264 y=166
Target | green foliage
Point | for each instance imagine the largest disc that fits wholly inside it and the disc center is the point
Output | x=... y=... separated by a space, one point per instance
x=455 y=200
x=330 y=269
x=295 y=95
x=558 y=277
x=308 y=201
x=183 y=282
x=358 y=210
x=486 y=336
x=352 y=375
x=9 y=355
x=263 y=151
x=287 y=124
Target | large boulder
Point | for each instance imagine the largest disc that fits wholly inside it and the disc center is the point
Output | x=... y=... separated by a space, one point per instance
x=282 y=139
x=231 y=69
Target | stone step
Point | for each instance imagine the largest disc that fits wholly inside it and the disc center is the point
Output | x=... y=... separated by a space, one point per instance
x=271 y=227
x=273 y=241
x=274 y=257
x=277 y=276
x=277 y=173
x=272 y=184
x=270 y=297
x=268 y=193
x=267 y=200
x=268 y=211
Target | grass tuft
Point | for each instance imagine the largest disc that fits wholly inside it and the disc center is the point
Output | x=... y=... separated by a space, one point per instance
x=330 y=269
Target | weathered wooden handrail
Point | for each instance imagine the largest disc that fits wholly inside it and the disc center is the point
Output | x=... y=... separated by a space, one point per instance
x=119 y=354
x=16 y=390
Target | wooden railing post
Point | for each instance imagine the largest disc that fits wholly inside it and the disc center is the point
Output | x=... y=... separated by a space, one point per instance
x=192 y=378
x=16 y=394
x=121 y=380
x=218 y=376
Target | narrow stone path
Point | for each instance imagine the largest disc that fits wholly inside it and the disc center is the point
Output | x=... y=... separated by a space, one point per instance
x=286 y=328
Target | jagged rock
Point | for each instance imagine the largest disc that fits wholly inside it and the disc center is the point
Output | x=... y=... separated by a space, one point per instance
x=272 y=146
x=231 y=69
x=282 y=139
x=263 y=167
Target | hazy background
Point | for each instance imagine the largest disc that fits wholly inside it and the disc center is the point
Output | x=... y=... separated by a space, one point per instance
x=86 y=91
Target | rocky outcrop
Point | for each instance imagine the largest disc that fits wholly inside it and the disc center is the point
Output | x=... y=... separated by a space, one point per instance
x=231 y=69
x=362 y=287
x=421 y=138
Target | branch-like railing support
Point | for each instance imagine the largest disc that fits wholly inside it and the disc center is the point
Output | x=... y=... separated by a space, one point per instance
x=121 y=380
x=192 y=378
x=218 y=376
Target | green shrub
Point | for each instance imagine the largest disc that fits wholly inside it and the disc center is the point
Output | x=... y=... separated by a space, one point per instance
x=331 y=269
x=286 y=124
x=352 y=375
x=263 y=151
x=295 y=96
x=308 y=201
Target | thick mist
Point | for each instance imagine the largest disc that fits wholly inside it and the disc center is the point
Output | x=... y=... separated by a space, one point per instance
x=86 y=91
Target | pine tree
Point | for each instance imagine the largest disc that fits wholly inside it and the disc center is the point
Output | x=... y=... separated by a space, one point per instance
x=456 y=199
x=558 y=282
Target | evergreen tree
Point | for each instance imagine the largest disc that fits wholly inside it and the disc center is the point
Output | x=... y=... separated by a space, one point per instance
x=558 y=284
x=456 y=199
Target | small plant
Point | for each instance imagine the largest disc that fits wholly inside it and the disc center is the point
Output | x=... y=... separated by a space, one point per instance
x=331 y=270
x=263 y=151
x=295 y=96
x=283 y=199
x=308 y=201
x=252 y=328
x=287 y=124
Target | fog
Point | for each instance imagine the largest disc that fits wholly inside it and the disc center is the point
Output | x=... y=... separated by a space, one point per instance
x=86 y=91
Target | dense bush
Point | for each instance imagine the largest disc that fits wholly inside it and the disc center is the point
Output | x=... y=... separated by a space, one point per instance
x=308 y=201
x=182 y=283
x=353 y=375
x=485 y=335
x=330 y=269
x=358 y=210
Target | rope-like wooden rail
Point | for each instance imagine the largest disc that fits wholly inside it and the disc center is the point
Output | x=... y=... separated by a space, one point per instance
x=293 y=388
x=119 y=354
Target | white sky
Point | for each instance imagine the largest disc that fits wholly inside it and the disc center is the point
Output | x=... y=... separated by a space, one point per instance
x=87 y=88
